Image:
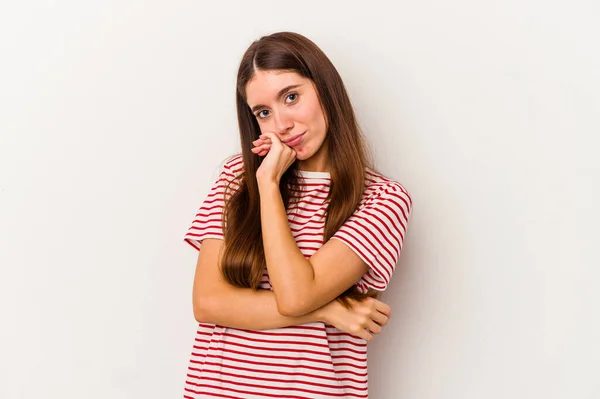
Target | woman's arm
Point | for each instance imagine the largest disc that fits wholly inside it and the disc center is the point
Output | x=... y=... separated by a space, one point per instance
x=302 y=285
x=216 y=301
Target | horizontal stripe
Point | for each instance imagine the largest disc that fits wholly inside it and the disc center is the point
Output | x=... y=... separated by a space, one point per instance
x=262 y=388
x=292 y=378
x=301 y=363
x=296 y=374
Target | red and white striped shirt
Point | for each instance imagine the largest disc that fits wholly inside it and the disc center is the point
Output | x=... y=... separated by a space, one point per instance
x=307 y=361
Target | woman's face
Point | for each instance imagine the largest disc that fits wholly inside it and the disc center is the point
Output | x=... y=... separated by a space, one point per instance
x=287 y=104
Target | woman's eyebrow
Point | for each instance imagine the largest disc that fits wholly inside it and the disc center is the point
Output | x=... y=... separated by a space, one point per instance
x=279 y=95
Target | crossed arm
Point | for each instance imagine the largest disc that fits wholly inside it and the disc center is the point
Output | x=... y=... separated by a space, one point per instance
x=304 y=290
x=218 y=302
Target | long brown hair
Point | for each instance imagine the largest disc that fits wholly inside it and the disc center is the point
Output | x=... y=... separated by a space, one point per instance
x=243 y=259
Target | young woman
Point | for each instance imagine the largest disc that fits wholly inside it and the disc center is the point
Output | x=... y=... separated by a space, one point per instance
x=295 y=239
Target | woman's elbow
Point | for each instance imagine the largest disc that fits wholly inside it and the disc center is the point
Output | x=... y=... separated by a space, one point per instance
x=291 y=307
x=201 y=309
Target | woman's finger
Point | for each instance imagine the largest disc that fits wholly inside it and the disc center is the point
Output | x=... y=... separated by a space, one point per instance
x=258 y=142
x=383 y=308
x=270 y=138
x=261 y=148
x=373 y=327
x=364 y=334
x=380 y=318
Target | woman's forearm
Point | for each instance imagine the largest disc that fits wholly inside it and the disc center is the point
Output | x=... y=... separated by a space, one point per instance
x=291 y=274
x=246 y=308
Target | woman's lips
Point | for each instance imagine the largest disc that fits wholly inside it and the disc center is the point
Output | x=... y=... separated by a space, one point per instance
x=295 y=141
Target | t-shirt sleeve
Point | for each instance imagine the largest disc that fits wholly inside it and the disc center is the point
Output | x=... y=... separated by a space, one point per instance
x=208 y=222
x=376 y=232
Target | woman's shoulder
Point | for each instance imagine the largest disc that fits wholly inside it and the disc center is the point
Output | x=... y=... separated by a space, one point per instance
x=233 y=163
x=232 y=167
x=376 y=181
x=385 y=193
x=228 y=171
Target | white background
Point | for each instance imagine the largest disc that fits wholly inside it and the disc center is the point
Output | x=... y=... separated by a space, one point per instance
x=114 y=119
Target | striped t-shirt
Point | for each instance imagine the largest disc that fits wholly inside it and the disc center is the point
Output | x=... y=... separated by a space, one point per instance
x=307 y=361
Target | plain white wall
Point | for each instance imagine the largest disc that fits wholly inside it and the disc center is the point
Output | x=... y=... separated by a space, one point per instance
x=114 y=118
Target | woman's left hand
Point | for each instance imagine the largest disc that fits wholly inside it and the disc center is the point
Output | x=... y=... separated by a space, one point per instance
x=279 y=158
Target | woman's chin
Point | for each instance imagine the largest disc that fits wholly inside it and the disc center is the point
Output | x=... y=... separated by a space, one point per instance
x=301 y=156
x=302 y=153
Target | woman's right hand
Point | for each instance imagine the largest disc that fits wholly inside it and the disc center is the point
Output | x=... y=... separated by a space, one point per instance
x=363 y=318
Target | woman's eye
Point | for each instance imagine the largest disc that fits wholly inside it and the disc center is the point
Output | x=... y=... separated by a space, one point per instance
x=292 y=97
x=260 y=115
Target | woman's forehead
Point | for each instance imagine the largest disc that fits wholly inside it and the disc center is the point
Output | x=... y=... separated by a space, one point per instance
x=266 y=85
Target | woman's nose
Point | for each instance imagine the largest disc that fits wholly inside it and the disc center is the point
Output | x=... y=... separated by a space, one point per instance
x=283 y=122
